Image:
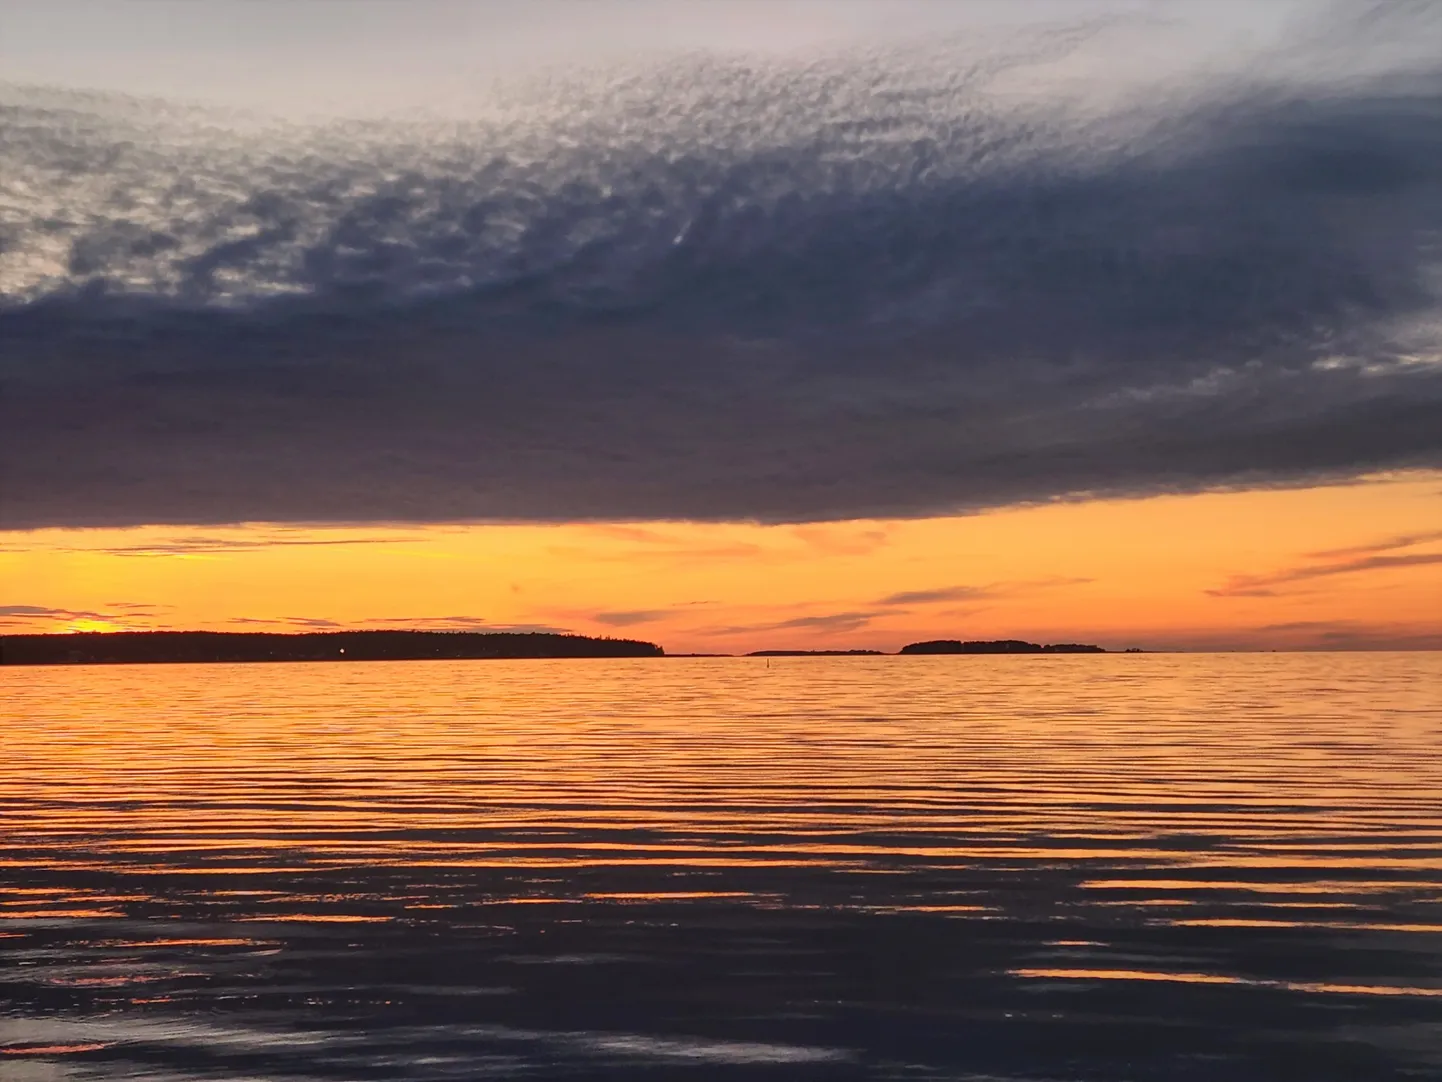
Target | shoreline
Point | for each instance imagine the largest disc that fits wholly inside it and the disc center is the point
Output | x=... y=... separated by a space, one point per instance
x=237 y=647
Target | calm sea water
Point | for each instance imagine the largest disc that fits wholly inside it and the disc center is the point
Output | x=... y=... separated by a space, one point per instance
x=1002 y=868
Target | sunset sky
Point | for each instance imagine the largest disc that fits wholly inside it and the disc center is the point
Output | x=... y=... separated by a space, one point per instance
x=1224 y=571
x=725 y=326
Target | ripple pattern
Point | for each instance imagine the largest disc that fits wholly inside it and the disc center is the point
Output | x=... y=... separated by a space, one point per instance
x=1141 y=867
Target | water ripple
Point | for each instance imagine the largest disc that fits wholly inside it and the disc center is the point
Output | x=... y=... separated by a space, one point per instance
x=1155 y=867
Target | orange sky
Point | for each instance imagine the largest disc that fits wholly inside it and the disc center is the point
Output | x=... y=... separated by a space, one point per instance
x=1342 y=566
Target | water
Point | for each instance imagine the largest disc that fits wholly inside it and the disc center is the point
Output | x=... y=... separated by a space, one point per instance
x=1002 y=868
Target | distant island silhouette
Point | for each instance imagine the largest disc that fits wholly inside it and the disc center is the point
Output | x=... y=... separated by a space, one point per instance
x=815 y=653
x=998 y=646
x=160 y=647
x=134 y=647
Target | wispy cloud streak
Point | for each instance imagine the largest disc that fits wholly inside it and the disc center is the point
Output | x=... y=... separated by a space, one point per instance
x=632 y=617
x=822 y=623
x=44 y=617
x=1377 y=556
x=1386 y=544
x=977 y=593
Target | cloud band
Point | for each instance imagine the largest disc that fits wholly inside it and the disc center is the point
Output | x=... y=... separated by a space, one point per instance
x=870 y=286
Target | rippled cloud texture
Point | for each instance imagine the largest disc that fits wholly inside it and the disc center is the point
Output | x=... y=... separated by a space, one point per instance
x=871 y=282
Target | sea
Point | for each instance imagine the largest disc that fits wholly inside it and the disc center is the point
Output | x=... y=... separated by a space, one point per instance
x=994 y=869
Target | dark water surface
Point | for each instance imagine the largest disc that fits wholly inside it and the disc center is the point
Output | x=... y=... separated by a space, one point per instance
x=1001 y=868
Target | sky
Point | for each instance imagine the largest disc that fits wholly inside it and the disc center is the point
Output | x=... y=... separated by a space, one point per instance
x=726 y=325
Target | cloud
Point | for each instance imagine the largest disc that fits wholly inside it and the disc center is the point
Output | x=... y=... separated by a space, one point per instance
x=945 y=593
x=459 y=623
x=628 y=619
x=196 y=545
x=1386 y=544
x=1262 y=585
x=862 y=284
x=975 y=593
x=1306 y=625
x=1292 y=635
x=120 y=613
x=1354 y=635
x=830 y=622
x=306 y=623
x=412 y=623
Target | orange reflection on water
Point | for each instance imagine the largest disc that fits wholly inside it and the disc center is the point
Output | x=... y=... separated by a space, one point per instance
x=213 y=942
x=1356 y=926
x=1320 y=886
x=1238 y=778
x=117 y=981
x=665 y=896
x=52 y=1049
x=317 y=918
x=1231 y=832
x=1219 y=978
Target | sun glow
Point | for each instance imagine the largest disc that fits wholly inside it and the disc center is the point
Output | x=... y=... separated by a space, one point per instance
x=85 y=624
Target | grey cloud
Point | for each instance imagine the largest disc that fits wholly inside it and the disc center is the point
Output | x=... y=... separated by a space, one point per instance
x=1306 y=625
x=310 y=623
x=1049 y=582
x=23 y=615
x=1299 y=634
x=976 y=593
x=458 y=623
x=876 y=284
x=183 y=546
x=926 y=597
x=1386 y=544
x=631 y=618
x=835 y=621
x=411 y=623
x=1262 y=585
x=1356 y=635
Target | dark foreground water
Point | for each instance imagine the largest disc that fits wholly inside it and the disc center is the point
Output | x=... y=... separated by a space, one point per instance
x=1007 y=868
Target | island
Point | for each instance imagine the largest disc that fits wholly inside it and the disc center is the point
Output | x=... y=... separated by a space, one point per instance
x=140 y=647
x=814 y=653
x=998 y=646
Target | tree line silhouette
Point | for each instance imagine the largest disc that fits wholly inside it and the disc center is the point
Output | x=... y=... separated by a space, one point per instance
x=132 y=647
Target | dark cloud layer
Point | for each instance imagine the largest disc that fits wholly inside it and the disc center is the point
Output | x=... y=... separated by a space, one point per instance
x=866 y=286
